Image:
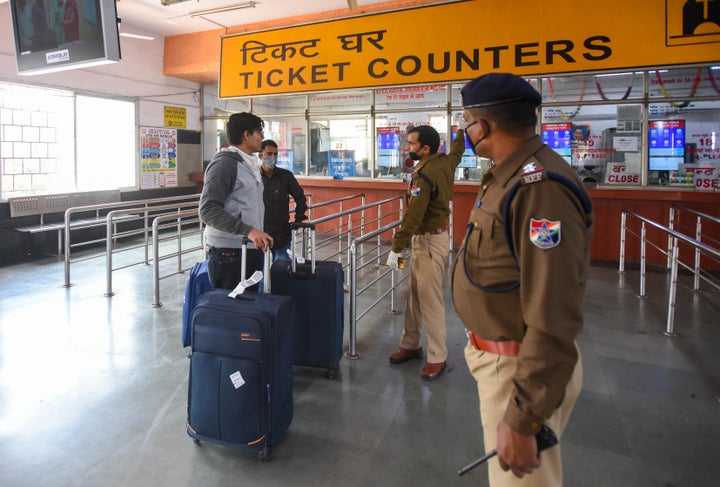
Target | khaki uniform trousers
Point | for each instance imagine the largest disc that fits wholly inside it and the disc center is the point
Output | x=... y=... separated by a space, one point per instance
x=425 y=303
x=494 y=374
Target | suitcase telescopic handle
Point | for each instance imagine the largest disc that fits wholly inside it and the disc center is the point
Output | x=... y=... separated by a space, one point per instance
x=267 y=263
x=294 y=226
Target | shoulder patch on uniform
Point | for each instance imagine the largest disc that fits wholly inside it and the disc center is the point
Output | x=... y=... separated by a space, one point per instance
x=545 y=233
x=532 y=172
x=415 y=190
x=531 y=167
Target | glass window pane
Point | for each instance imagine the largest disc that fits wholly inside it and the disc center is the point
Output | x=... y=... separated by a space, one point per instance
x=105 y=151
x=564 y=88
x=37 y=141
x=339 y=146
x=263 y=106
x=684 y=83
x=290 y=134
x=427 y=96
x=340 y=101
x=391 y=129
x=214 y=137
x=615 y=86
x=603 y=142
x=684 y=145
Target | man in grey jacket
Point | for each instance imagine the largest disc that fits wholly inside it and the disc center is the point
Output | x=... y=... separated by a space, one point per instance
x=231 y=204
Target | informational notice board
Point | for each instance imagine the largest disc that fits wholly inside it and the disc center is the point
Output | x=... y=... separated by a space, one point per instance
x=341 y=163
x=158 y=157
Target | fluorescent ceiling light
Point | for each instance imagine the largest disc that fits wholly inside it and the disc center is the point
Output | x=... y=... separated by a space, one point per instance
x=171 y=2
x=136 y=36
x=226 y=8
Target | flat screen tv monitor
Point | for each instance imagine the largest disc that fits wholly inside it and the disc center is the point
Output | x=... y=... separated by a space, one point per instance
x=558 y=136
x=666 y=144
x=76 y=34
x=469 y=159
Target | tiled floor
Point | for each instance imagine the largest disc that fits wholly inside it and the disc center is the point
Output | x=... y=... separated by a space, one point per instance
x=93 y=393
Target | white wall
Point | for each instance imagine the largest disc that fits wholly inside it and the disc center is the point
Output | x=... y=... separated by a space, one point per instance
x=138 y=74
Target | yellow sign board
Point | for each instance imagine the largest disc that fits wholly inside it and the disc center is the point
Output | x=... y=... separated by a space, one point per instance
x=175 y=117
x=459 y=41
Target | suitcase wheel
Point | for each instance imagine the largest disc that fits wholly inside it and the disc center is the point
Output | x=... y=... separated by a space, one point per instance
x=265 y=454
x=330 y=374
x=197 y=442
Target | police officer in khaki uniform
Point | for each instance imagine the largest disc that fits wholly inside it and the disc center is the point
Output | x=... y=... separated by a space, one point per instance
x=519 y=280
x=425 y=223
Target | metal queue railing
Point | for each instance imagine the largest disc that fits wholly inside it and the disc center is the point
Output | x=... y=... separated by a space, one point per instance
x=674 y=224
x=178 y=211
x=353 y=313
x=179 y=252
x=673 y=253
x=355 y=226
x=329 y=238
x=132 y=209
x=347 y=231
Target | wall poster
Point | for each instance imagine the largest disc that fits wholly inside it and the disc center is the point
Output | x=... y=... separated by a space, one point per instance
x=158 y=157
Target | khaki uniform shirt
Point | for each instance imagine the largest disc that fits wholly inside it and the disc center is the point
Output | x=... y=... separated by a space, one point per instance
x=551 y=238
x=425 y=213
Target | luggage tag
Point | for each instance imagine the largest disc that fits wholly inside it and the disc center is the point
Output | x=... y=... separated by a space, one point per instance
x=246 y=283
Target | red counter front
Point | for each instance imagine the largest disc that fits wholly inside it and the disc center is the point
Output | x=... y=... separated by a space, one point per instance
x=609 y=203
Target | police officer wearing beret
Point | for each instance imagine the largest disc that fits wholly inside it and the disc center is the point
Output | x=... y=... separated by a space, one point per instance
x=425 y=224
x=519 y=280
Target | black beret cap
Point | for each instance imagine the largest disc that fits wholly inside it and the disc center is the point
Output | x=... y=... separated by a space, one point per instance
x=496 y=88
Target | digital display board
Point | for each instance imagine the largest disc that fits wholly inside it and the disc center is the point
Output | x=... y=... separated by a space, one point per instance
x=558 y=136
x=388 y=146
x=666 y=144
x=469 y=159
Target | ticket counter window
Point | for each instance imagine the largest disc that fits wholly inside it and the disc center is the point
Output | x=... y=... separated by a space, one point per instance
x=340 y=147
x=684 y=147
x=290 y=134
x=683 y=132
x=603 y=143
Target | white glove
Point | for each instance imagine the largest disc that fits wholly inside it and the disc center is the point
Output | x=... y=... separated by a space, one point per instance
x=392 y=260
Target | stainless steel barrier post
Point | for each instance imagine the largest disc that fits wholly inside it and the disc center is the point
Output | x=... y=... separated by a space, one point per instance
x=156 y=262
x=696 y=269
x=671 y=226
x=670 y=327
x=108 y=254
x=352 y=352
x=623 y=221
x=67 y=248
x=450 y=227
x=643 y=258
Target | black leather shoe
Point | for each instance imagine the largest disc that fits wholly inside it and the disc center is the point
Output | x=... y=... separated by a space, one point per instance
x=402 y=355
x=432 y=371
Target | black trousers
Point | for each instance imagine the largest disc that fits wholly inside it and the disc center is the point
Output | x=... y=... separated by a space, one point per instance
x=224 y=266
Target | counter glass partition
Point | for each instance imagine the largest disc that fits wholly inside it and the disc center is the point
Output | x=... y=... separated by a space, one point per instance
x=610 y=129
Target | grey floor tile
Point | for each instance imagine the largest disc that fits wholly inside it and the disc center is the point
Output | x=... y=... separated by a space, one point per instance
x=93 y=392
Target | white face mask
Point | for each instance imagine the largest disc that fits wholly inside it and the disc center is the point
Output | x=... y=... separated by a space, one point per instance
x=269 y=162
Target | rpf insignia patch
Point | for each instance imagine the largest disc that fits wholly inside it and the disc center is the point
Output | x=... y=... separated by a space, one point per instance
x=532 y=173
x=544 y=233
x=415 y=190
x=531 y=167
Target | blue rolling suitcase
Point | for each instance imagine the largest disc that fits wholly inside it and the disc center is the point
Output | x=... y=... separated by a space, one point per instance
x=317 y=289
x=241 y=375
x=198 y=282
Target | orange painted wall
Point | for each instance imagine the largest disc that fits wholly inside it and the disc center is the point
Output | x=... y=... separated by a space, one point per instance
x=196 y=57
